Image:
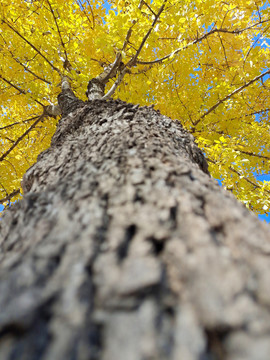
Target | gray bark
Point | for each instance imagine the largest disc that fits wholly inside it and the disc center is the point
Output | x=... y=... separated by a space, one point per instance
x=124 y=248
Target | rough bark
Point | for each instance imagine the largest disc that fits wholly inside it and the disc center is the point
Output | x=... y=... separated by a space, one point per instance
x=124 y=249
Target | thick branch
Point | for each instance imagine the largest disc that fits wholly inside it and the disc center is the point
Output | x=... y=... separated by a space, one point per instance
x=10 y=196
x=95 y=89
x=115 y=85
x=96 y=86
x=249 y=153
x=110 y=71
x=132 y=62
x=52 y=110
x=67 y=100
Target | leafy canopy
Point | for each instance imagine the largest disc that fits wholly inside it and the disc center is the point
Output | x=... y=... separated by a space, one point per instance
x=204 y=62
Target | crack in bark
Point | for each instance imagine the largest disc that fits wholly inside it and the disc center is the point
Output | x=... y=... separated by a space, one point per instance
x=122 y=250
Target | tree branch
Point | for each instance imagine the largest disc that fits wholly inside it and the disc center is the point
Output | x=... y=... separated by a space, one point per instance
x=92 y=24
x=18 y=122
x=20 y=138
x=149 y=7
x=252 y=154
x=92 y=13
x=116 y=84
x=236 y=91
x=254 y=43
x=133 y=60
x=26 y=68
x=96 y=86
x=21 y=91
x=110 y=71
x=237 y=32
x=10 y=196
x=134 y=22
x=256 y=186
x=32 y=46
x=59 y=33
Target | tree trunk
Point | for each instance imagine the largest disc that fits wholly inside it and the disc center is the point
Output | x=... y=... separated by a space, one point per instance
x=124 y=249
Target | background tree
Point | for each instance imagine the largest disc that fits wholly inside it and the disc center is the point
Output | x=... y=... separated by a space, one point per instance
x=202 y=62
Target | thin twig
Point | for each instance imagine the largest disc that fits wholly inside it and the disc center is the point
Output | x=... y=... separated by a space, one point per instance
x=18 y=122
x=224 y=50
x=58 y=30
x=129 y=33
x=26 y=68
x=205 y=36
x=85 y=13
x=133 y=60
x=148 y=6
x=91 y=10
x=236 y=91
x=254 y=43
x=256 y=186
x=21 y=91
x=20 y=138
x=32 y=46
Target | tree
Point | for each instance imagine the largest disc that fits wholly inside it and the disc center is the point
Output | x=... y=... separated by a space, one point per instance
x=202 y=62
x=123 y=247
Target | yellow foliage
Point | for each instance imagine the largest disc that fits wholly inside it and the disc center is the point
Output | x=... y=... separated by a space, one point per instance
x=199 y=61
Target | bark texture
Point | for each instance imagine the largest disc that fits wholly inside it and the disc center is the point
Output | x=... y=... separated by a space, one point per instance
x=124 y=249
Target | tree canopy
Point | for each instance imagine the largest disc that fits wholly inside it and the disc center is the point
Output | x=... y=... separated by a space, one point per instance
x=203 y=62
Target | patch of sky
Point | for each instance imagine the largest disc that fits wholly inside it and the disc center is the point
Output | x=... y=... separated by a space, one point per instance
x=107 y=6
x=209 y=27
x=195 y=75
x=219 y=182
x=264 y=217
x=262 y=177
